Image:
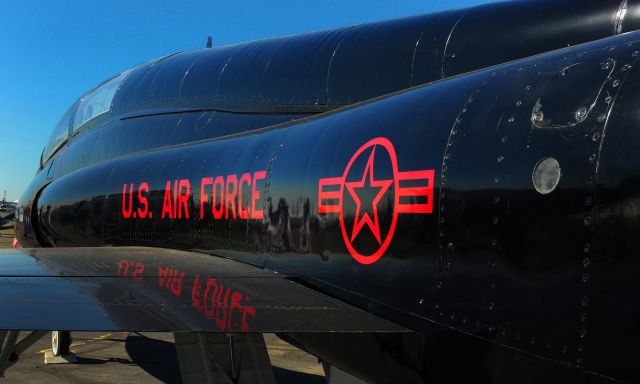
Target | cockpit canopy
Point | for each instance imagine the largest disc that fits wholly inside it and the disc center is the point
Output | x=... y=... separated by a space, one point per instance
x=88 y=109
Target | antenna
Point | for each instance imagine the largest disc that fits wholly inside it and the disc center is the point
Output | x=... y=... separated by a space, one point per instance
x=209 y=42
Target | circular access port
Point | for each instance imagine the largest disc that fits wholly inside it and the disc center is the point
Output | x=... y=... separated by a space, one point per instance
x=546 y=175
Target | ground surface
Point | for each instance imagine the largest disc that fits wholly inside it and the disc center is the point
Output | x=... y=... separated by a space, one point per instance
x=139 y=358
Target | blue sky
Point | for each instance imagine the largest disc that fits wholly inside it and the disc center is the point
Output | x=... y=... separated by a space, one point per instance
x=54 y=51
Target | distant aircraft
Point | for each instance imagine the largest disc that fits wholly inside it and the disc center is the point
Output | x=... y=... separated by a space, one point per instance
x=437 y=199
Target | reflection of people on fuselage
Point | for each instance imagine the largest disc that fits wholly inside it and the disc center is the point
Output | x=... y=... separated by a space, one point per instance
x=280 y=229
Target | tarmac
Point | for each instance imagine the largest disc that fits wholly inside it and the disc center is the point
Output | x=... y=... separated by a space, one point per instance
x=139 y=357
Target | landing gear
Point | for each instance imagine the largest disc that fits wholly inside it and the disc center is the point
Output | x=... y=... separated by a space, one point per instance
x=11 y=348
x=60 y=342
x=223 y=358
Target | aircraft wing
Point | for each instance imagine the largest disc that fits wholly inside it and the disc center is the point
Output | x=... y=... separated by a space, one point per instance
x=154 y=289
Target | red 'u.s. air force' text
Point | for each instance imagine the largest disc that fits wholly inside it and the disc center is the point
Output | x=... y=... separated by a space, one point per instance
x=228 y=197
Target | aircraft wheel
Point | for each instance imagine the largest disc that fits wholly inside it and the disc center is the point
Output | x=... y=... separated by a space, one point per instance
x=60 y=342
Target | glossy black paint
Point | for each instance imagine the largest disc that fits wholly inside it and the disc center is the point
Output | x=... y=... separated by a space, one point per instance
x=161 y=289
x=545 y=281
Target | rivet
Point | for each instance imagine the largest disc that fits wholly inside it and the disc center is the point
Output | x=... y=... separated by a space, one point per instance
x=421 y=301
x=492 y=306
x=585 y=277
x=616 y=82
x=608 y=99
x=495 y=221
x=527 y=88
x=583 y=317
x=587 y=248
x=494 y=242
x=602 y=118
x=584 y=301
x=538 y=117
x=588 y=201
x=496 y=200
x=439 y=285
x=500 y=159
x=511 y=119
x=626 y=67
x=453 y=316
x=606 y=65
x=442 y=220
x=504 y=139
x=518 y=103
x=592 y=158
x=589 y=180
x=583 y=333
x=497 y=179
x=581 y=113
x=635 y=54
x=596 y=136
x=587 y=220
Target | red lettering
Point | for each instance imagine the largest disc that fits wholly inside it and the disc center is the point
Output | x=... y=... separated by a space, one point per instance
x=183 y=198
x=142 y=213
x=210 y=311
x=163 y=276
x=196 y=302
x=222 y=314
x=248 y=311
x=123 y=267
x=243 y=210
x=217 y=209
x=255 y=196
x=175 y=199
x=167 y=207
x=176 y=284
x=230 y=198
x=137 y=273
x=126 y=211
x=203 y=196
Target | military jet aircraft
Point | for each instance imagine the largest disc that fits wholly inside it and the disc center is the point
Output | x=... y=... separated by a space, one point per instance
x=436 y=199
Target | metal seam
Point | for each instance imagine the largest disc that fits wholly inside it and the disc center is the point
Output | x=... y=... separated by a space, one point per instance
x=446 y=45
x=622 y=12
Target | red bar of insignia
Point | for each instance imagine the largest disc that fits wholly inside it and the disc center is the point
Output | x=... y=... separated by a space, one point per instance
x=334 y=206
x=425 y=191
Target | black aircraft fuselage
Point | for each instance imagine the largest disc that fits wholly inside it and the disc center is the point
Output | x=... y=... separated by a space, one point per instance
x=471 y=175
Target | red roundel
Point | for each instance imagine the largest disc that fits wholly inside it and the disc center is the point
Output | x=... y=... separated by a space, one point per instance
x=375 y=196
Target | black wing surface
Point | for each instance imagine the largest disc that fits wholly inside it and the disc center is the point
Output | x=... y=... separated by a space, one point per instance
x=155 y=289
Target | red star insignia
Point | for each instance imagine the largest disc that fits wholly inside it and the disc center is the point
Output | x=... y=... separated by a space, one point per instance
x=353 y=187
